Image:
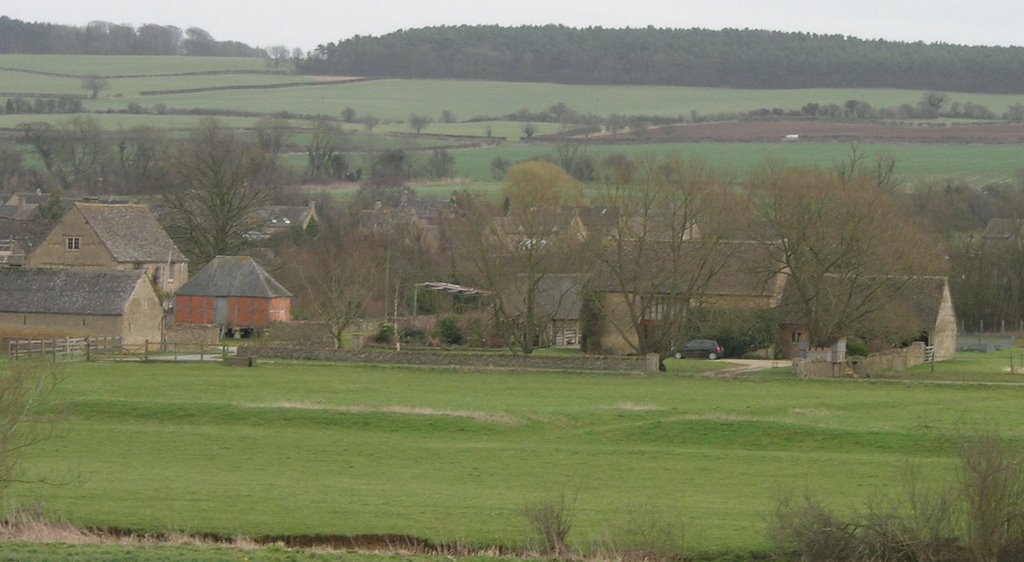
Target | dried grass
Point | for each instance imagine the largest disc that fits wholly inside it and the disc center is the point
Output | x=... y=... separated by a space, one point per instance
x=811 y=411
x=637 y=407
x=483 y=417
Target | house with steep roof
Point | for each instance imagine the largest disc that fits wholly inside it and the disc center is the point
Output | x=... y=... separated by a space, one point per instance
x=113 y=236
x=79 y=303
x=235 y=293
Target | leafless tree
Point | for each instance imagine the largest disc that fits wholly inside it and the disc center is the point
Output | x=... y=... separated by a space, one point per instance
x=216 y=192
x=661 y=247
x=26 y=393
x=845 y=247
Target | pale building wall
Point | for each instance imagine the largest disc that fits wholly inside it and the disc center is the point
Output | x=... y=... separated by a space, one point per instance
x=943 y=337
x=617 y=332
x=143 y=317
x=91 y=253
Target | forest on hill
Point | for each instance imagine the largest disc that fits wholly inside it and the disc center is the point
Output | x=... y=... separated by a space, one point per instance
x=682 y=57
x=105 y=38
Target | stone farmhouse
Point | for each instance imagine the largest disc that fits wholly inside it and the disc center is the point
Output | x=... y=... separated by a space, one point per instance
x=79 y=303
x=113 y=236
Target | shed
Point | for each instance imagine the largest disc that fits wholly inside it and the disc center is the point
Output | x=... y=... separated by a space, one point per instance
x=235 y=293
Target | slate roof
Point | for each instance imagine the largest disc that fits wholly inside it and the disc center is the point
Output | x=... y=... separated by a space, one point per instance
x=233 y=276
x=67 y=291
x=130 y=232
x=30 y=232
x=918 y=301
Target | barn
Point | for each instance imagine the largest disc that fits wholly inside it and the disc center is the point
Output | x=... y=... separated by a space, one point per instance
x=79 y=303
x=234 y=293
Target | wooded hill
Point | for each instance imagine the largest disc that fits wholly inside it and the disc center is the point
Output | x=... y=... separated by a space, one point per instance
x=104 y=38
x=683 y=57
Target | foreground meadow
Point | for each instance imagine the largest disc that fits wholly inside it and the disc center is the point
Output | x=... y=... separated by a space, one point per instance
x=454 y=455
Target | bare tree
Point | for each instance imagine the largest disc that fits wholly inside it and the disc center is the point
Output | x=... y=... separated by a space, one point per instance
x=844 y=245
x=26 y=390
x=73 y=152
x=216 y=193
x=515 y=255
x=325 y=142
x=419 y=122
x=95 y=84
x=143 y=159
x=337 y=277
x=662 y=247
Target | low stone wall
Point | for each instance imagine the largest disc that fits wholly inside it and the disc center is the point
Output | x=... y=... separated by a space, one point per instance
x=432 y=358
x=192 y=333
x=309 y=332
x=884 y=362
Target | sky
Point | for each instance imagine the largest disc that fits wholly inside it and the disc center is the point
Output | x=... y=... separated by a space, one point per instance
x=308 y=23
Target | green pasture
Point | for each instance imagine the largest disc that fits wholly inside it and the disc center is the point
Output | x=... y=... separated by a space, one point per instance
x=128 y=65
x=447 y=454
x=394 y=99
x=916 y=164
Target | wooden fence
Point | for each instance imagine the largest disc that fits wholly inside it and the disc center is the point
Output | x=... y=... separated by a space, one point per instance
x=89 y=349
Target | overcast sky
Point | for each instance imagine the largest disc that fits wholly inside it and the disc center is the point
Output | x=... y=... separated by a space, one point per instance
x=307 y=23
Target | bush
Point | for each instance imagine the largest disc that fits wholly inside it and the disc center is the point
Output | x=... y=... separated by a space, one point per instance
x=552 y=522
x=646 y=535
x=385 y=333
x=857 y=349
x=413 y=335
x=977 y=517
x=449 y=330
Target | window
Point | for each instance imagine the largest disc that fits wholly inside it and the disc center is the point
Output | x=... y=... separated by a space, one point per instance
x=795 y=337
x=74 y=243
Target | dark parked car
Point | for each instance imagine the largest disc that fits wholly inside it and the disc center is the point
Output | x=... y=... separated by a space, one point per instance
x=700 y=348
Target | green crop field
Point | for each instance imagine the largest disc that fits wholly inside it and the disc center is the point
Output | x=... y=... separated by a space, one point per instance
x=916 y=163
x=392 y=101
x=453 y=455
x=110 y=65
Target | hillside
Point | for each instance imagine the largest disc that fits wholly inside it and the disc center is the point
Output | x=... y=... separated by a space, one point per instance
x=683 y=57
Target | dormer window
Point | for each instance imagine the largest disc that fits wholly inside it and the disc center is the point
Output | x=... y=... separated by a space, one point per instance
x=73 y=243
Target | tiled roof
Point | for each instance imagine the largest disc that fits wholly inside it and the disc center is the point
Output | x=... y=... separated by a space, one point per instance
x=233 y=276
x=130 y=232
x=67 y=291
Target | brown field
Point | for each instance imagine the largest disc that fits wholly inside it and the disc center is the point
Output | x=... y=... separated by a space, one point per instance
x=834 y=131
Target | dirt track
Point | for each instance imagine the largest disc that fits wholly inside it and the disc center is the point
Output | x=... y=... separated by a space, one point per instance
x=832 y=131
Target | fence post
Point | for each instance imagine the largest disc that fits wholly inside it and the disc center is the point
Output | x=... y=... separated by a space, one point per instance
x=145 y=351
x=88 y=349
x=202 y=348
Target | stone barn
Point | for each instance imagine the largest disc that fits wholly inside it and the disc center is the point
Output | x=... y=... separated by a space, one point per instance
x=79 y=303
x=234 y=293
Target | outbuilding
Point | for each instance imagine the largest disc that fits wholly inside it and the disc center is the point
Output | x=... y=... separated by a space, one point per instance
x=234 y=293
x=79 y=303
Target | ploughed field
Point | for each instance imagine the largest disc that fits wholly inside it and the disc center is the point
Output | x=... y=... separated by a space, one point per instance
x=447 y=455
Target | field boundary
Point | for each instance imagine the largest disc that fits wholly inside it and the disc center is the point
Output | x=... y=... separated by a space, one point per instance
x=256 y=86
x=428 y=358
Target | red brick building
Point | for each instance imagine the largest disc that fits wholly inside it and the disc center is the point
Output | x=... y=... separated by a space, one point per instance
x=235 y=293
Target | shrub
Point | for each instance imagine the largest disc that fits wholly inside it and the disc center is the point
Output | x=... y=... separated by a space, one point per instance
x=449 y=330
x=857 y=349
x=646 y=535
x=552 y=522
x=385 y=333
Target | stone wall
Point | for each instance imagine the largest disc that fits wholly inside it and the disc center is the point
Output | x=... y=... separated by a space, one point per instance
x=884 y=362
x=310 y=332
x=192 y=333
x=432 y=358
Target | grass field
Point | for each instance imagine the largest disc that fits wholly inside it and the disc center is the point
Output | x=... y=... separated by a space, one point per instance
x=455 y=455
